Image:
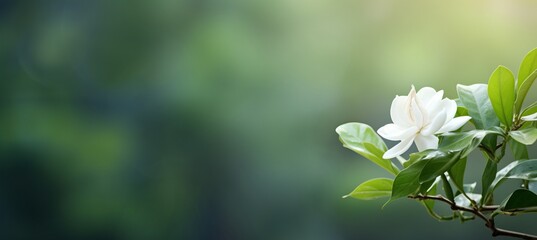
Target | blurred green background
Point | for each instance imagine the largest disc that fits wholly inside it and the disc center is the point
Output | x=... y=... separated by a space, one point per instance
x=207 y=119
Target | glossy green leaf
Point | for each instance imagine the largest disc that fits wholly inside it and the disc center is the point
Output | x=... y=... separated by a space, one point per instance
x=362 y=139
x=414 y=157
x=360 y=133
x=522 y=169
x=466 y=141
x=526 y=76
x=372 y=189
x=531 y=109
x=475 y=98
x=500 y=175
x=447 y=188
x=519 y=200
x=406 y=182
x=526 y=170
x=525 y=136
x=456 y=172
x=523 y=90
x=487 y=179
x=528 y=65
x=501 y=90
x=519 y=150
x=461 y=200
x=438 y=165
x=532 y=186
x=469 y=187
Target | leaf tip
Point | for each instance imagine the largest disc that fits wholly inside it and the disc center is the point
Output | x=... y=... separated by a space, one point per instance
x=386 y=204
x=502 y=67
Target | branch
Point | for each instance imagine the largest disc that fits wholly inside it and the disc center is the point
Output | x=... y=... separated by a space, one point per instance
x=489 y=208
x=489 y=222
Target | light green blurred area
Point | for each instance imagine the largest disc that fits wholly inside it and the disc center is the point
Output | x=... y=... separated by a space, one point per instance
x=215 y=119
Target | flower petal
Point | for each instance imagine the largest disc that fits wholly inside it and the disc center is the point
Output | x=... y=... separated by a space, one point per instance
x=454 y=124
x=398 y=149
x=399 y=111
x=434 y=107
x=416 y=111
x=396 y=133
x=426 y=142
x=450 y=107
x=428 y=95
x=435 y=125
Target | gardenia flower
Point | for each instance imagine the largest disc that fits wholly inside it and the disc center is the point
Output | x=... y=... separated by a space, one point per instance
x=417 y=118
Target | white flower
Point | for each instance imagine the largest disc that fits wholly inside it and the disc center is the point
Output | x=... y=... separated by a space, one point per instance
x=417 y=118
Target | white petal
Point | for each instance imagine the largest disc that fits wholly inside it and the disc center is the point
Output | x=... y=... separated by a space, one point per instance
x=396 y=133
x=398 y=149
x=530 y=118
x=450 y=107
x=399 y=111
x=454 y=124
x=429 y=96
x=416 y=111
x=426 y=93
x=435 y=125
x=426 y=142
x=435 y=107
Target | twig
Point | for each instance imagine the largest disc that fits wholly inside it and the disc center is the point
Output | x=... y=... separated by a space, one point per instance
x=489 y=208
x=489 y=222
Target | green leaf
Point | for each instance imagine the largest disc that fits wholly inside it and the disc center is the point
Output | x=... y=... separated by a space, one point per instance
x=461 y=200
x=501 y=90
x=447 y=188
x=426 y=186
x=461 y=111
x=500 y=175
x=469 y=187
x=475 y=98
x=523 y=90
x=466 y=141
x=525 y=136
x=358 y=133
x=531 y=109
x=526 y=170
x=362 y=139
x=438 y=165
x=518 y=200
x=457 y=173
x=487 y=179
x=372 y=189
x=406 y=182
x=526 y=75
x=520 y=151
x=528 y=65
x=429 y=204
x=414 y=157
x=522 y=169
x=532 y=186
